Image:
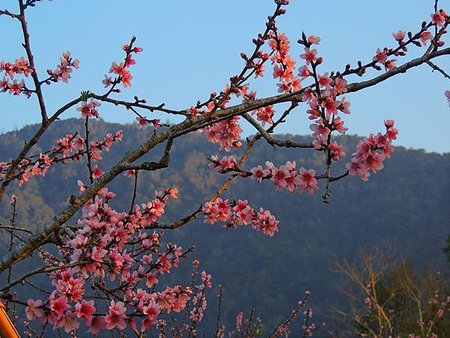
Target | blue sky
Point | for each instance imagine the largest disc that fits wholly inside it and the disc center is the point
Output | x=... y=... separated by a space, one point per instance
x=191 y=48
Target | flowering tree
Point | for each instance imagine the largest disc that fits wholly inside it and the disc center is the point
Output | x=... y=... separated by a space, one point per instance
x=120 y=255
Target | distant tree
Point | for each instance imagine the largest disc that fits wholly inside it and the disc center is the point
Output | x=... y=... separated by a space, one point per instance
x=390 y=300
x=105 y=266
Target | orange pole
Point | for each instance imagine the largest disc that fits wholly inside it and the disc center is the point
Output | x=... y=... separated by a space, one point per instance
x=7 y=328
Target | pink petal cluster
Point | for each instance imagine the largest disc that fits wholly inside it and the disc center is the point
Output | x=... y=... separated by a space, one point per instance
x=265 y=114
x=67 y=148
x=199 y=300
x=8 y=83
x=64 y=69
x=99 y=253
x=372 y=151
x=121 y=70
x=223 y=164
x=116 y=316
x=439 y=18
x=283 y=64
x=227 y=133
x=240 y=213
x=89 y=109
x=286 y=176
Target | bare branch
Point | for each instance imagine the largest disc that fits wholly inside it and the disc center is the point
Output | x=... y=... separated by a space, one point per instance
x=15 y=228
x=437 y=68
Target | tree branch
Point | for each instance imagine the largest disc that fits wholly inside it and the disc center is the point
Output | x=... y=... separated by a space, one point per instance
x=437 y=68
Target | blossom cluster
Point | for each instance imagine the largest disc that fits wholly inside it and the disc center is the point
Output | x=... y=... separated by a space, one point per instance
x=238 y=213
x=372 y=151
x=64 y=69
x=286 y=176
x=9 y=83
x=70 y=147
x=199 y=299
x=283 y=64
x=121 y=70
x=98 y=253
x=89 y=109
x=265 y=114
x=226 y=133
x=144 y=122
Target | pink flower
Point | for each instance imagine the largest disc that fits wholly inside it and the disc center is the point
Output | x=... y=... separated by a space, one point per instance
x=338 y=125
x=116 y=68
x=344 y=106
x=380 y=56
x=142 y=121
x=389 y=64
x=304 y=72
x=126 y=78
x=119 y=135
x=107 y=81
x=151 y=280
x=223 y=164
x=399 y=36
x=340 y=85
x=58 y=305
x=89 y=109
x=68 y=322
x=279 y=176
x=242 y=212
x=307 y=180
x=116 y=316
x=265 y=222
x=97 y=172
x=227 y=133
x=16 y=87
x=336 y=151
x=447 y=95
x=391 y=132
x=325 y=81
x=309 y=55
x=439 y=17
x=259 y=173
x=424 y=37
x=32 y=310
x=152 y=312
x=314 y=40
x=265 y=114
x=71 y=288
x=330 y=104
x=85 y=310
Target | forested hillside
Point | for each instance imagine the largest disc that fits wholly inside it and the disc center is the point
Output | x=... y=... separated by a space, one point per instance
x=405 y=206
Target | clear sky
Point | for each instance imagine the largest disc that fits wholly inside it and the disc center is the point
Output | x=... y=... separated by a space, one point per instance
x=191 y=48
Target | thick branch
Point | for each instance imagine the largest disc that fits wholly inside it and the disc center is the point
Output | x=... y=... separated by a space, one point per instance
x=27 y=248
x=182 y=128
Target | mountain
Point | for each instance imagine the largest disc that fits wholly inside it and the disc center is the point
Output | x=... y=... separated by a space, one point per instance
x=405 y=206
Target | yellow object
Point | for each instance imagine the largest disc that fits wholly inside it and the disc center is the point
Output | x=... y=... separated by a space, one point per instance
x=7 y=328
